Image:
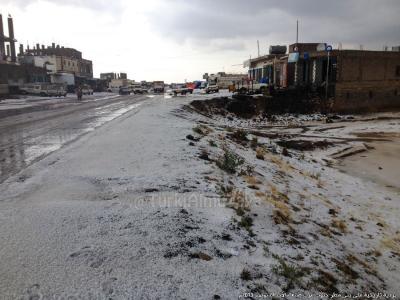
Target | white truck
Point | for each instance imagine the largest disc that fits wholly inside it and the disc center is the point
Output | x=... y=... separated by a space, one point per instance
x=158 y=87
x=258 y=88
x=44 y=89
x=87 y=90
x=138 y=88
x=211 y=88
x=181 y=89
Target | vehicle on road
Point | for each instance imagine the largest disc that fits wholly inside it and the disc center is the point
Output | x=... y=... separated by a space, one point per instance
x=212 y=89
x=158 y=86
x=255 y=88
x=138 y=89
x=87 y=90
x=125 y=90
x=44 y=89
x=181 y=90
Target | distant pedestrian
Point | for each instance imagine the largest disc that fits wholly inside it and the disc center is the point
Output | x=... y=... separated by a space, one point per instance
x=79 y=92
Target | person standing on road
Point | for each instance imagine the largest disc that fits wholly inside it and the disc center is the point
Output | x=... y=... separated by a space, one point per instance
x=79 y=92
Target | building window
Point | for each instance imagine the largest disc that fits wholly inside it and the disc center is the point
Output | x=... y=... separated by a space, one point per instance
x=398 y=71
x=370 y=94
x=347 y=95
x=395 y=92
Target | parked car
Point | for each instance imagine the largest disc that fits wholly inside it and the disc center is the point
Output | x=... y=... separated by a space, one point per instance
x=44 y=89
x=125 y=90
x=212 y=89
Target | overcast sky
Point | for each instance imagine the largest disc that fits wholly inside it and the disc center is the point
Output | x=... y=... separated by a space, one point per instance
x=174 y=40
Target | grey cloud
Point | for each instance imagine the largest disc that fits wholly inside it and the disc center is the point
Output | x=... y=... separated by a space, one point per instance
x=98 y=5
x=364 y=21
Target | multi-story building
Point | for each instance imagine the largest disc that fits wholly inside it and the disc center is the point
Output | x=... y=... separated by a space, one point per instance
x=108 y=76
x=58 y=59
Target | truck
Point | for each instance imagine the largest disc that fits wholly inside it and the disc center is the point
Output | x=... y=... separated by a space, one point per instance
x=158 y=87
x=181 y=89
x=257 y=88
x=44 y=89
x=87 y=90
x=212 y=88
x=137 y=88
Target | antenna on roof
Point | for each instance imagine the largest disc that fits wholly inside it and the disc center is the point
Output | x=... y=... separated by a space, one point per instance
x=297 y=32
x=258 y=47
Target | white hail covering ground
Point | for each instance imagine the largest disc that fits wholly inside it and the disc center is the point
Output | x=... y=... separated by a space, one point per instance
x=130 y=212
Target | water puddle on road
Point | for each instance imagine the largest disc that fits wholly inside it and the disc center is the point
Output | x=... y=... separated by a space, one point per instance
x=19 y=149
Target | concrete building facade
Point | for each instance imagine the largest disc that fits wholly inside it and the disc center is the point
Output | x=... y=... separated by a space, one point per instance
x=354 y=80
x=58 y=59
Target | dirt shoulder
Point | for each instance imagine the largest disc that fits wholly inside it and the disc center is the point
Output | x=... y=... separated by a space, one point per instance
x=322 y=230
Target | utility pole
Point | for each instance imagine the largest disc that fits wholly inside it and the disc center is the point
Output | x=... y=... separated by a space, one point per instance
x=327 y=77
x=328 y=49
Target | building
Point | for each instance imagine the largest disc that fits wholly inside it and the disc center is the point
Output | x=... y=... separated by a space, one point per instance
x=113 y=76
x=352 y=80
x=270 y=69
x=108 y=76
x=12 y=73
x=57 y=59
x=115 y=84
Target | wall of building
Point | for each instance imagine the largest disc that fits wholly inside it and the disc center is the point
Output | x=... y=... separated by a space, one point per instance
x=3 y=89
x=85 y=68
x=117 y=83
x=59 y=60
x=48 y=62
x=15 y=75
x=367 y=81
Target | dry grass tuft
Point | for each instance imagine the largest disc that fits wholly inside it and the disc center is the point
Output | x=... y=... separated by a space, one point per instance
x=237 y=200
x=252 y=180
x=260 y=153
x=339 y=224
x=202 y=130
x=240 y=135
x=393 y=243
x=260 y=194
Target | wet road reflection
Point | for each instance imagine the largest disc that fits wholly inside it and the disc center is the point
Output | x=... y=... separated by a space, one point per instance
x=22 y=142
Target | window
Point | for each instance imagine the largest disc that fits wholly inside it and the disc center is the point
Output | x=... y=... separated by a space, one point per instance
x=398 y=71
x=395 y=92
x=370 y=94
x=347 y=95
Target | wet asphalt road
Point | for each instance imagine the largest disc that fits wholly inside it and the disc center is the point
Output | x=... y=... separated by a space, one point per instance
x=30 y=134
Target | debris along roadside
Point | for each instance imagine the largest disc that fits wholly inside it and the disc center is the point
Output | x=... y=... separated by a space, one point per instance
x=311 y=228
